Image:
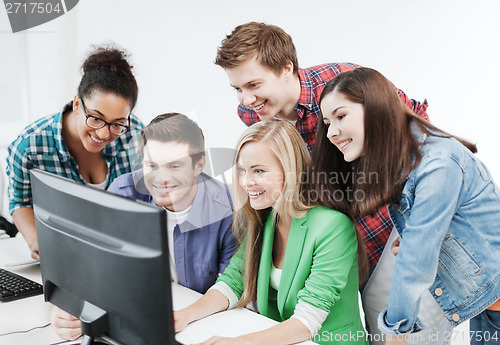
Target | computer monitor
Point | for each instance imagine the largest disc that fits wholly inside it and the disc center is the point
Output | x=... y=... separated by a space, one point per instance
x=104 y=258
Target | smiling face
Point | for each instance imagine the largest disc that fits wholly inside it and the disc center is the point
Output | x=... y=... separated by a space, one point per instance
x=105 y=106
x=169 y=174
x=262 y=90
x=345 y=122
x=260 y=174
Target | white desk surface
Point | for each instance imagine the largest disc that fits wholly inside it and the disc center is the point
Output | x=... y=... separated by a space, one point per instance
x=27 y=313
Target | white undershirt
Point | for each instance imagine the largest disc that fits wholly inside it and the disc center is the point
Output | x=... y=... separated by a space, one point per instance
x=312 y=317
x=275 y=277
x=174 y=218
x=101 y=185
x=292 y=122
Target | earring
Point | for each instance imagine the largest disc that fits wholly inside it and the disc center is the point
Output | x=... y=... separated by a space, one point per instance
x=75 y=107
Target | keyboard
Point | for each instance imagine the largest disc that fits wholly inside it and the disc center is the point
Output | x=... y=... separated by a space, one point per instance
x=13 y=286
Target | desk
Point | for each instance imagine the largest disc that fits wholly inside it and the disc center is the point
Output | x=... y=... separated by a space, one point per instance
x=32 y=312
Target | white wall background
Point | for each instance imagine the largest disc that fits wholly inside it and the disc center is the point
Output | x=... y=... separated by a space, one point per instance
x=445 y=51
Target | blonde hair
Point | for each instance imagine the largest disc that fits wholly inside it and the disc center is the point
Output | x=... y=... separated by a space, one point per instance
x=283 y=139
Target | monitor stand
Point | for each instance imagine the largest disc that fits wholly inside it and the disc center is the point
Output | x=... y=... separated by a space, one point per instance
x=90 y=341
x=94 y=323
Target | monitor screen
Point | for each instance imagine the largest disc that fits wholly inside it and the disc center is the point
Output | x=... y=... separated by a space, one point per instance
x=104 y=258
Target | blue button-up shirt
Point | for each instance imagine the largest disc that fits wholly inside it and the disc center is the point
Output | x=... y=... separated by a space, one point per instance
x=203 y=243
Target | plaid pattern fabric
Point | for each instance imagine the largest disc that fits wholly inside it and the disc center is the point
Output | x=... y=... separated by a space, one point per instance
x=312 y=82
x=41 y=145
x=374 y=230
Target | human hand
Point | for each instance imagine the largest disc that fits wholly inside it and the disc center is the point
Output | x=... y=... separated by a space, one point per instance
x=34 y=250
x=181 y=320
x=216 y=340
x=395 y=340
x=65 y=325
x=395 y=246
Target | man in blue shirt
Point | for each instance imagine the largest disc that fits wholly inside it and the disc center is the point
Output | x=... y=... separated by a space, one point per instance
x=199 y=208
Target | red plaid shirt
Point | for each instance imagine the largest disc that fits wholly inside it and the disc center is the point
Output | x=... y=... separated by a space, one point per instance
x=374 y=230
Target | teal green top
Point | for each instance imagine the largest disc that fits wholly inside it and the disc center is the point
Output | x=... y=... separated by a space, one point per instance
x=320 y=268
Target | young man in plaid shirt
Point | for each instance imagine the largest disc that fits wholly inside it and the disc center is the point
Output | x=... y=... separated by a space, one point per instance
x=261 y=63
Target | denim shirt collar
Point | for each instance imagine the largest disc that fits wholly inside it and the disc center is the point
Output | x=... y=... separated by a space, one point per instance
x=418 y=133
x=208 y=206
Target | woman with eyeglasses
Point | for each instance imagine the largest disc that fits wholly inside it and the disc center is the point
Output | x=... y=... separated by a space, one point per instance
x=89 y=141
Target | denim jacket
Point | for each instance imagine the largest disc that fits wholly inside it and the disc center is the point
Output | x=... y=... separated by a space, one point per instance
x=448 y=217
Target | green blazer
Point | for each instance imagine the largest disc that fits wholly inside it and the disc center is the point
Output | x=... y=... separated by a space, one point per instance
x=320 y=268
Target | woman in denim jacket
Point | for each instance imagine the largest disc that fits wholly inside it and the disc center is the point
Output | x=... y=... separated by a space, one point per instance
x=441 y=199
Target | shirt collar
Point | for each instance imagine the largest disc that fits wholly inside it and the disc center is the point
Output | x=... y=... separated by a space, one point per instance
x=202 y=211
x=57 y=132
x=205 y=210
x=194 y=219
x=418 y=133
x=140 y=186
x=307 y=96
x=199 y=210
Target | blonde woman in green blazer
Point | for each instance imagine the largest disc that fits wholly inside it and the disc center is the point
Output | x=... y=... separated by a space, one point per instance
x=296 y=262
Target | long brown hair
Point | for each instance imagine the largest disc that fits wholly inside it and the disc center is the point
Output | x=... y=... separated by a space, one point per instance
x=287 y=145
x=391 y=151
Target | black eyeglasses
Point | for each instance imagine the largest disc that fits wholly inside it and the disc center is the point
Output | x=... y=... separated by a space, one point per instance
x=97 y=123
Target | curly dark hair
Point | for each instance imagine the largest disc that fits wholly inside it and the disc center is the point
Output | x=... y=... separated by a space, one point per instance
x=106 y=69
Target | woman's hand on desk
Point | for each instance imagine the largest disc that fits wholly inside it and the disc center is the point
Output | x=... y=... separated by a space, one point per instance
x=181 y=319
x=35 y=254
x=212 y=302
x=24 y=218
x=226 y=341
x=66 y=325
x=395 y=340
